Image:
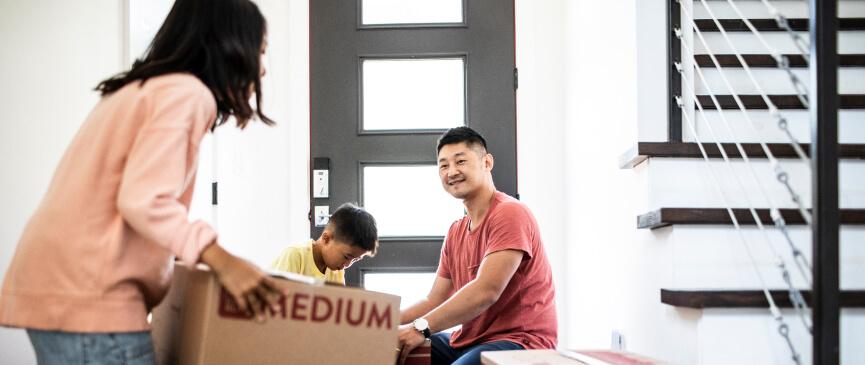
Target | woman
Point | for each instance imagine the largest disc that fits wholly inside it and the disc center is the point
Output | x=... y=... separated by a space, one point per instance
x=97 y=254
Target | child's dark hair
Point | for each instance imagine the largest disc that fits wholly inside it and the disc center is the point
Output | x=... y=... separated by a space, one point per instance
x=461 y=134
x=355 y=226
x=218 y=41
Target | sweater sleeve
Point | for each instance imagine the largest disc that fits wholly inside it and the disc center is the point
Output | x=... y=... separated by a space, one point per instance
x=155 y=173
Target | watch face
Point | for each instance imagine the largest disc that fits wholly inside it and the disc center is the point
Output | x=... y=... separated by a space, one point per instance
x=421 y=324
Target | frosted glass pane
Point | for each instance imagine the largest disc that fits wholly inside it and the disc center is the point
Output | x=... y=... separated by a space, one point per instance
x=411 y=11
x=412 y=287
x=409 y=200
x=413 y=93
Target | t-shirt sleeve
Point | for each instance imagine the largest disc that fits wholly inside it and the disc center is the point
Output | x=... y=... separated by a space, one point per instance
x=510 y=228
x=289 y=261
x=443 y=270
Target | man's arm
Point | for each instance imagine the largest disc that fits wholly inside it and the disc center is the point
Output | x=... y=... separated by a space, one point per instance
x=494 y=274
x=439 y=292
x=475 y=297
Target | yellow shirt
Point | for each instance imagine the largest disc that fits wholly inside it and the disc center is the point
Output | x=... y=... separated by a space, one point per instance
x=298 y=259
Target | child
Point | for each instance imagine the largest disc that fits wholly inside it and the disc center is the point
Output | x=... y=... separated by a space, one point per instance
x=97 y=254
x=350 y=235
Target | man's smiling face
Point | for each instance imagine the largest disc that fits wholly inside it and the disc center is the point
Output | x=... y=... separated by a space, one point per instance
x=463 y=169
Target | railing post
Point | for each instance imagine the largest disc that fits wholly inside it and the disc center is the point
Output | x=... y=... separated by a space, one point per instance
x=674 y=80
x=824 y=158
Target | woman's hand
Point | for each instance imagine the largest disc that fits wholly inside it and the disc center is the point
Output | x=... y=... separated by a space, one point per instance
x=250 y=287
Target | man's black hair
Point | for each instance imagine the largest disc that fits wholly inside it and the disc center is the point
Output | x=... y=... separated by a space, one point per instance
x=461 y=134
x=355 y=226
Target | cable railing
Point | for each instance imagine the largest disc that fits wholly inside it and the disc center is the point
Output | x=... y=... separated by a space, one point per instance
x=781 y=174
x=794 y=293
x=782 y=61
x=687 y=72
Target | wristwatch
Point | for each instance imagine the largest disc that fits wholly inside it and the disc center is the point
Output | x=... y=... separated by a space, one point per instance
x=422 y=326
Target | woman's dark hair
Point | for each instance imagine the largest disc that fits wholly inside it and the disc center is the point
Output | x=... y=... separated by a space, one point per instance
x=461 y=134
x=218 y=41
x=355 y=226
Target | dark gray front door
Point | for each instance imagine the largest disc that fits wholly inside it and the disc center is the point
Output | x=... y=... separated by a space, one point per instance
x=349 y=82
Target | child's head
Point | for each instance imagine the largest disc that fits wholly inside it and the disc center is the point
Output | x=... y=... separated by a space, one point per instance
x=350 y=235
x=219 y=41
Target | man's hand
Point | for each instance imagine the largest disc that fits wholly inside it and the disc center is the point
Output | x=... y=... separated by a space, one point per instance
x=409 y=339
x=249 y=286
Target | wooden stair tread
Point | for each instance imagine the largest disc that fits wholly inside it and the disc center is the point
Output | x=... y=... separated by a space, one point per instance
x=669 y=216
x=644 y=150
x=847 y=101
x=770 y=25
x=765 y=60
x=715 y=298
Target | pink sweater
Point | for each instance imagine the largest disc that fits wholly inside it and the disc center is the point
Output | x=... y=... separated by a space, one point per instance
x=98 y=252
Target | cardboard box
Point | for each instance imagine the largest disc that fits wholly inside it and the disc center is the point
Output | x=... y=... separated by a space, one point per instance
x=565 y=357
x=199 y=323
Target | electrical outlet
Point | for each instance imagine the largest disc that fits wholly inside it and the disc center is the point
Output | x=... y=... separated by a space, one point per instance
x=618 y=341
x=322 y=215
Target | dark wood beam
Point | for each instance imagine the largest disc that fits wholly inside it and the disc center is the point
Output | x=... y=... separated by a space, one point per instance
x=770 y=25
x=644 y=150
x=701 y=299
x=824 y=25
x=850 y=101
x=690 y=216
x=767 y=61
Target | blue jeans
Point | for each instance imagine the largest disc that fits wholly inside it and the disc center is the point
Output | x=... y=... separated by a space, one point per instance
x=55 y=347
x=443 y=354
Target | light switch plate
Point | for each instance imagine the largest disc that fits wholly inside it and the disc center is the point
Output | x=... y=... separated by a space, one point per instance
x=320 y=186
x=322 y=215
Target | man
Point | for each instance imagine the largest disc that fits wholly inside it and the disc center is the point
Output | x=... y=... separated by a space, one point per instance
x=493 y=276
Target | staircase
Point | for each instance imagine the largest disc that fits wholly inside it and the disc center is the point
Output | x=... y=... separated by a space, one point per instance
x=712 y=271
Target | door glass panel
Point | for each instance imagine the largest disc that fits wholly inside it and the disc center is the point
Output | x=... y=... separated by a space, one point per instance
x=408 y=200
x=379 y=12
x=411 y=286
x=405 y=94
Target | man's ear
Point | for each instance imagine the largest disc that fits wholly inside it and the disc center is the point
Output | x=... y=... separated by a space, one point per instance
x=489 y=161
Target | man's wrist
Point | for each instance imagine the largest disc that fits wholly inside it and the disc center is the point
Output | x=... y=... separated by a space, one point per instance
x=422 y=326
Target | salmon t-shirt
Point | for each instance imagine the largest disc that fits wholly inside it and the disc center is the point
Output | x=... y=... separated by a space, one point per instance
x=526 y=311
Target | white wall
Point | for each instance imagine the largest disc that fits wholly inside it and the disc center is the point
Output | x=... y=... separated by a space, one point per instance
x=541 y=100
x=651 y=84
x=612 y=271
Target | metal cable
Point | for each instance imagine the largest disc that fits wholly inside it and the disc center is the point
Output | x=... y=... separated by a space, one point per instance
x=802 y=263
x=795 y=295
x=783 y=329
x=800 y=42
x=783 y=63
x=780 y=173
